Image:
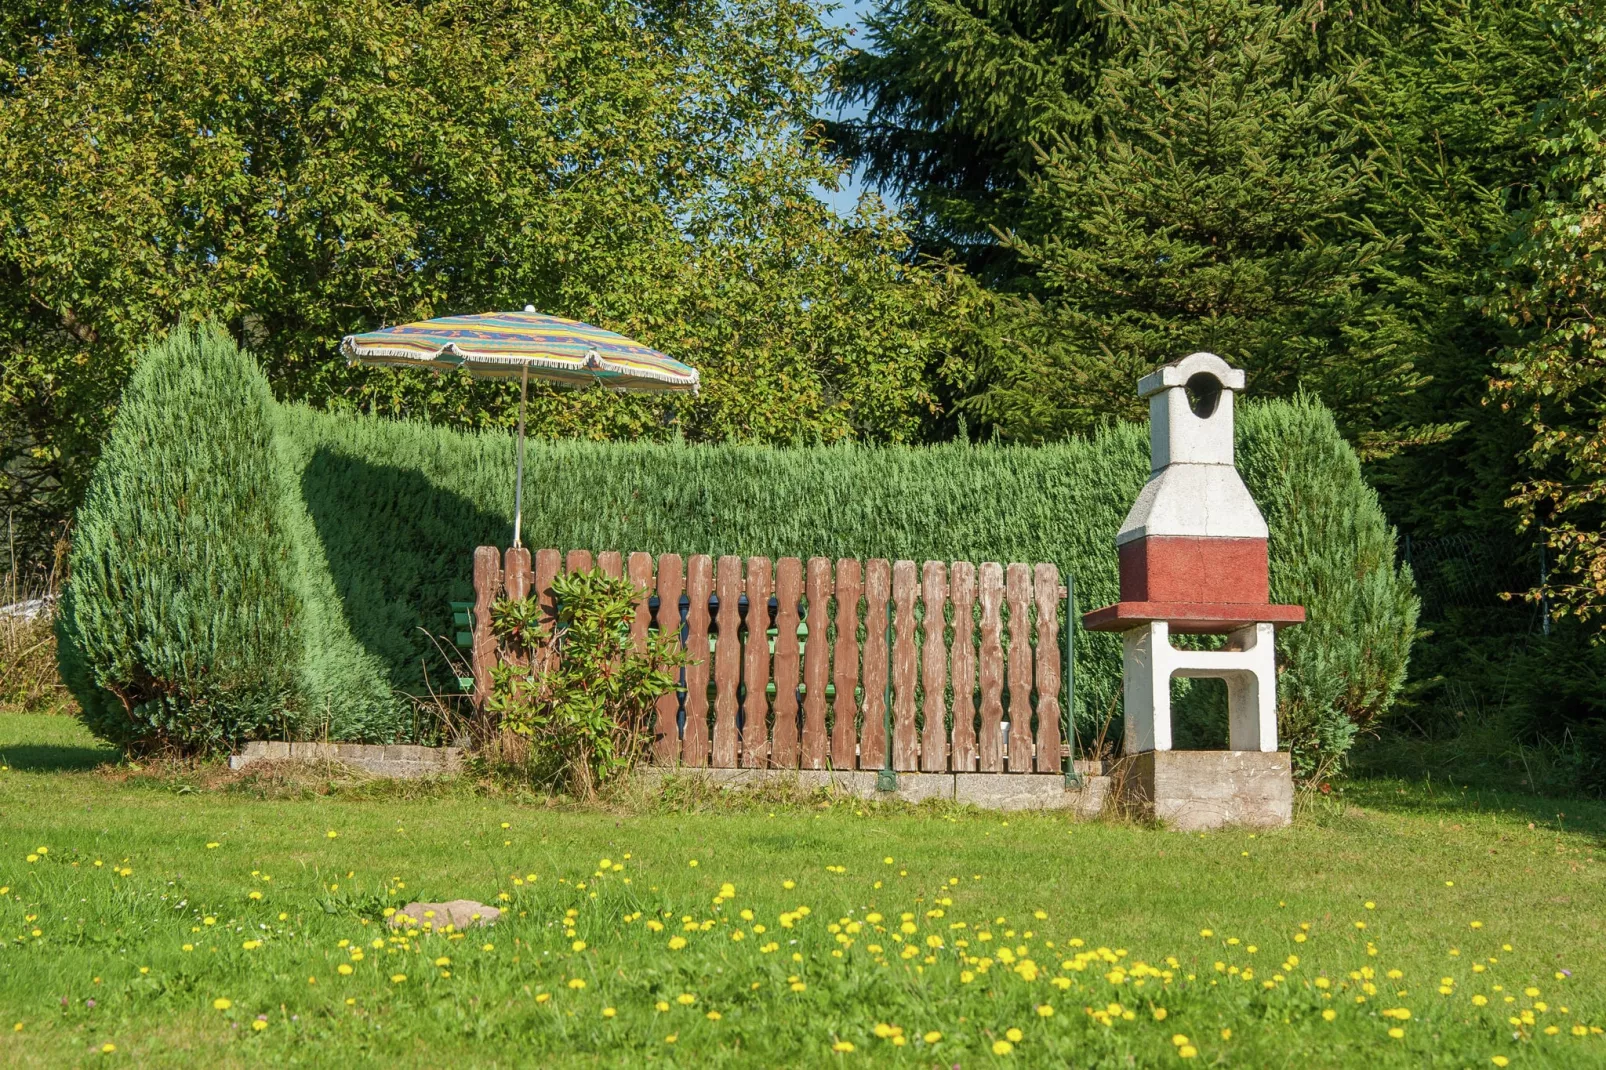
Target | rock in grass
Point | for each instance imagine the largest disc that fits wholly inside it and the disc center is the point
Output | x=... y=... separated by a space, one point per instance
x=458 y=914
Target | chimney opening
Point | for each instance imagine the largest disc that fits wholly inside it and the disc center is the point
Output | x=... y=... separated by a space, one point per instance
x=1204 y=393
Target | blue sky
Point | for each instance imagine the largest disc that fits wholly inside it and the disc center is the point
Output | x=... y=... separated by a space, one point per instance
x=849 y=14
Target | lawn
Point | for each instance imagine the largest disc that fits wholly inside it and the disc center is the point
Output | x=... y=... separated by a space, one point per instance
x=197 y=919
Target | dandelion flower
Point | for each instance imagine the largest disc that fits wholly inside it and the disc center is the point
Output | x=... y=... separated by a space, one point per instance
x=1329 y=1014
x=1002 y=1047
x=676 y=943
x=932 y=1037
x=578 y=945
x=1159 y=1014
x=1014 y=1035
x=1187 y=1051
x=1397 y=1033
x=107 y=1049
x=577 y=982
x=842 y=1046
x=259 y=1025
x=713 y=1016
x=331 y=834
x=344 y=969
x=1045 y=1011
x=609 y=1012
x=397 y=978
x=685 y=999
x=1499 y=1060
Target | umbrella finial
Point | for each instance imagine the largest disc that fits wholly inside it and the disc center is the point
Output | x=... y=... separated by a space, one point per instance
x=529 y=308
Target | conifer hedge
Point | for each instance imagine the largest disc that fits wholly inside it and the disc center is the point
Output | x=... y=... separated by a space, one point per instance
x=382 y=518
x=181 y=626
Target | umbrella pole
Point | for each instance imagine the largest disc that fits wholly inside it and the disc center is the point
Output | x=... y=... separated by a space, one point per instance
x=518 y=479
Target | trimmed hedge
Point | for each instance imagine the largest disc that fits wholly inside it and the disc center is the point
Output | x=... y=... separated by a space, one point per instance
x=384 y=517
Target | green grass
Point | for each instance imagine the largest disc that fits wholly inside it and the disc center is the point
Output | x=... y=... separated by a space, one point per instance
x=1526 y=868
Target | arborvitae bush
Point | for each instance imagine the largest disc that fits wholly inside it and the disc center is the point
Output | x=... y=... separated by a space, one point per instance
x=180 y=624
x=383 y=518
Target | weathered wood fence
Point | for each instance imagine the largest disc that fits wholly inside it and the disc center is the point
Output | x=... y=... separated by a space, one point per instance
x=799 y=660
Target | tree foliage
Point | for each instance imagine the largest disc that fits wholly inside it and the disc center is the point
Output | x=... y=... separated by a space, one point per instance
x=1208 y=206
x=302 y=169
x=1553 y=282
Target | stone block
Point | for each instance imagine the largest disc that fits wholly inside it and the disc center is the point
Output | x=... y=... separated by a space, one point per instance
x=1194 y=791
x=1016 y=791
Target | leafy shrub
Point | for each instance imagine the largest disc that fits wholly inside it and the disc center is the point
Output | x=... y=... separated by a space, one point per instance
x=576 y=686
x=180 y=624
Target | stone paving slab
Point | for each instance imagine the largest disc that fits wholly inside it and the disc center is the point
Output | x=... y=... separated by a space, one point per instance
x=401 y=761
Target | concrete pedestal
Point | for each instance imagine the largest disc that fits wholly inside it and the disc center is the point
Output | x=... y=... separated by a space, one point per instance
x=1199 y=790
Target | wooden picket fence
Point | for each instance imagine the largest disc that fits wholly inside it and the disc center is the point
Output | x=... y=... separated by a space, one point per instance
x=796 y=667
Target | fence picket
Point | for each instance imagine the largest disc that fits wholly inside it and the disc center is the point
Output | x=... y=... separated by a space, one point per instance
x=577 y=561
x=962 y=592
x=934 y=668
x=1018 y=592
x=640 y=571
x=727 y=661
x=845 y=665
x=1050 y=747
x=517 y=574
x=517 y=577
x=756 y=666
x=548 y=563
x=905 y=742
x=816 y=659
x=667 y=745
x=784 y=735
x=487 y=584
x=873 y=733
x=991 y=744
x=699 y=588
x=611 y=562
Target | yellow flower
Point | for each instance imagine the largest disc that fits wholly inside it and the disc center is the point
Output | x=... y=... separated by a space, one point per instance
x=577 y=982
x=397 y=978
x=692 y=863
x=542 y=997
x=843 y=1046
x=671 y=1038
x=443 y=961
x=1226 y=1034
x=578 y=945
x=932 y=1037
x=254 y=895
x=676 y=943
x=1187 y=1051
x=608 y=1012
x=1014 y=1035
x=107 y=1049
x=212 y=845
x=259 y=1025
x=222 y=1003
x=661 y=1005
x=1045 y=1011
x=343 y=969
x=1002 y=1047
x=685 y=999
x=1329 y=1014
x=1396 y=1032
x=1159 y=1014
x=712 y=1016
x=331 y=834
x=1499 y=1060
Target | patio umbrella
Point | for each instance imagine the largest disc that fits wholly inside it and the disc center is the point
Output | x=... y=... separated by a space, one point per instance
x=507 y=345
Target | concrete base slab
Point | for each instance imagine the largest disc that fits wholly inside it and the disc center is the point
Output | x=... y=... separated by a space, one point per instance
x=997 y=791
x=1199 y=790
x=402 y=761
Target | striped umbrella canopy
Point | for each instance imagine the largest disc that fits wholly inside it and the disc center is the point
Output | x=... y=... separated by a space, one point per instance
x=512 y=345
x=516 y=345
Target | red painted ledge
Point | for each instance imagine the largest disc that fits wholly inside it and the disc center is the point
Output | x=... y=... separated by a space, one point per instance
x=1194 y=617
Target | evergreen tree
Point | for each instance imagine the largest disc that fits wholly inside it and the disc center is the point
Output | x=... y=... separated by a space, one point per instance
x=957 y=94
x=1208 y=206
